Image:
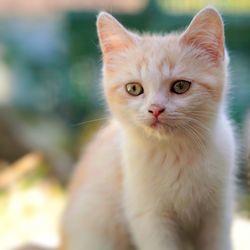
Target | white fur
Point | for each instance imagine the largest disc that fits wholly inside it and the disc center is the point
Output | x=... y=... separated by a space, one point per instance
x=162 y=207
x=162 y=188
x=200 y=199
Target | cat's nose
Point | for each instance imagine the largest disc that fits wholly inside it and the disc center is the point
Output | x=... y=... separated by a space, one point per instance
x=156 y=110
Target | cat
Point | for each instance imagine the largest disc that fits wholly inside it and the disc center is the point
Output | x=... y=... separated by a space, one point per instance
x=160 y=174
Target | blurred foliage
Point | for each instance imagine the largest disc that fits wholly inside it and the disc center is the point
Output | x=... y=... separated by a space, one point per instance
x=187 y=6
x=54 y=64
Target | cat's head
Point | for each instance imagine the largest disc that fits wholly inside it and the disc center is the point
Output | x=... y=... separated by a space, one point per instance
x=164 y=84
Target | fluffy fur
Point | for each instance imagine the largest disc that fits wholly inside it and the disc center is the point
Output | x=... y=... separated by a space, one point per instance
x=165 y=186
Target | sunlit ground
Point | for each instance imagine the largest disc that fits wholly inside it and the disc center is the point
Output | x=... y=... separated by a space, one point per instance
x=30 y=215
x=31 y=208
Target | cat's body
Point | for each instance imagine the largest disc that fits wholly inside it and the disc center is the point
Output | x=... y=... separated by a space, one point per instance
x=160 y=175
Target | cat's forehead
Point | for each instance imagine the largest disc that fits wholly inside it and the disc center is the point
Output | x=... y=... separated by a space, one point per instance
x=159 y=56
x=152 y=53
x=160 y=48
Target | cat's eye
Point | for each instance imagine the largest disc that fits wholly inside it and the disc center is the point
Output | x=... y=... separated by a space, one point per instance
x=180 y=86
x=134 y=88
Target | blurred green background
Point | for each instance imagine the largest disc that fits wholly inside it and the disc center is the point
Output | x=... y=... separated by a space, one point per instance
x=50 y=71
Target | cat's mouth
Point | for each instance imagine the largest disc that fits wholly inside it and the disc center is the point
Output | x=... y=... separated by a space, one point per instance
x=164 y=126
x=156 y=123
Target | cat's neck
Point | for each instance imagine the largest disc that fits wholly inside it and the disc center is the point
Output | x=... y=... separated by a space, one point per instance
x=178 y=151
x=139 y=139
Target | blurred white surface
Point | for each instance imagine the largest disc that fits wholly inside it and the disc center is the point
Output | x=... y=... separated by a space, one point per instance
x=241 y=234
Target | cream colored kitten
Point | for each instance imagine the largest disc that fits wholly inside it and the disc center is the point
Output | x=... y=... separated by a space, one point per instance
x=160 y=175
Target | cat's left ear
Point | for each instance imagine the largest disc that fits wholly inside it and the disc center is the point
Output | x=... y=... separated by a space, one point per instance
x=206 y=32
x=112 y=35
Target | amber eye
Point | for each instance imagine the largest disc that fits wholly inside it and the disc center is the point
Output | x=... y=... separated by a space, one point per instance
x=180 y=86
x=134 y=88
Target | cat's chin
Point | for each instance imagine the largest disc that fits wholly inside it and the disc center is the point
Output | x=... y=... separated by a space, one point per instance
x=160 y=130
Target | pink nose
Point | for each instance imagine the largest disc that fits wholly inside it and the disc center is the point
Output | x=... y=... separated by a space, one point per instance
x=156 y=110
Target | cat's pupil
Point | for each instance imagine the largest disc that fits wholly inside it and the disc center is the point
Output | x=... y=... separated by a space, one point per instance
x=180 y=86
x=134 y=89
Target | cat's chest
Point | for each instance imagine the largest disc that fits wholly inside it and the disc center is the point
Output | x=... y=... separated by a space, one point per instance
x=174 y=182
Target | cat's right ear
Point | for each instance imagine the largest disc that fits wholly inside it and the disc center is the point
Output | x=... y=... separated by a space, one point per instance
x=206 y=32
x=112 y=35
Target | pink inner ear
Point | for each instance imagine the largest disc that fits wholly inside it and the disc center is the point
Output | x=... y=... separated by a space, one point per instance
x=112 y=42
x=106 y=47
x=212 y=45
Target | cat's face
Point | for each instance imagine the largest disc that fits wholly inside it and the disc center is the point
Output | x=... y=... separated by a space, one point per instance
x=164 y=84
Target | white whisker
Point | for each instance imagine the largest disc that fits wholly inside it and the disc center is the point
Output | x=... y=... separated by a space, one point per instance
x=90 y=121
